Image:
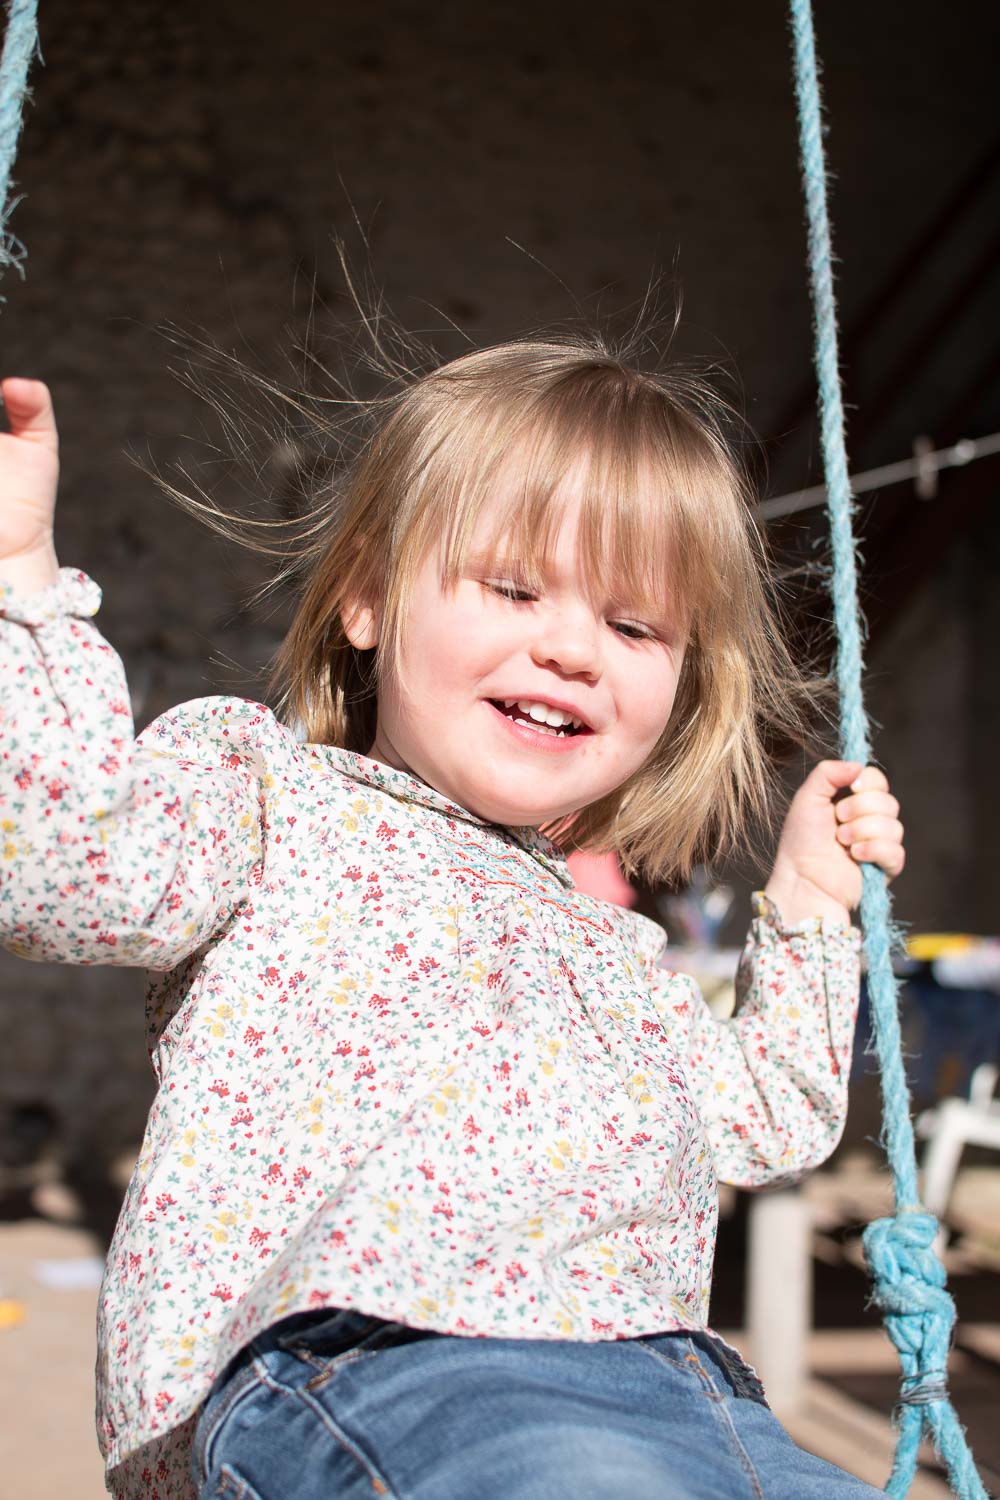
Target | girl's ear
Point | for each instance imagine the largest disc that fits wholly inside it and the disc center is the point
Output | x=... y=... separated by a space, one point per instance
x=360 y=626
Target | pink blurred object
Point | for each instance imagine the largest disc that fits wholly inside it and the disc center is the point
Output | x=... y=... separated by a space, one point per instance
x=600 y=875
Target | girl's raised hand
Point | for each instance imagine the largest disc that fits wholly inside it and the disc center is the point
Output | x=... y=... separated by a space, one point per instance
x=29 y=474
x=843 y=815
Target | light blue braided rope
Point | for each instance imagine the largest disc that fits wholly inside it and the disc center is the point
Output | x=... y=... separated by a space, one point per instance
x=908 y=1275
x=20 y=45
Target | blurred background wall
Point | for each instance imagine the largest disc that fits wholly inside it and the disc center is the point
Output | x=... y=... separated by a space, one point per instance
x=187 y=163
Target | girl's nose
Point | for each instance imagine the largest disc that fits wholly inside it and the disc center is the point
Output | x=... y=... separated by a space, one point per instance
x=568 y=643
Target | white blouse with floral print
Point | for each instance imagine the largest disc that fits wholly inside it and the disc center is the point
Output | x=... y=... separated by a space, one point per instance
x=403 y=1065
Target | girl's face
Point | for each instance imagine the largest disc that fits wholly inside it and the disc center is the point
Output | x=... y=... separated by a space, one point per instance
x=485 y=660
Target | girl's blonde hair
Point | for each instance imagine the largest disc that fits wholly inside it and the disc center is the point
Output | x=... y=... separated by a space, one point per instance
x=666 y=512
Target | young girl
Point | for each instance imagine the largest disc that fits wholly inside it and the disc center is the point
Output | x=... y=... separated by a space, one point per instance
x=426 y=1204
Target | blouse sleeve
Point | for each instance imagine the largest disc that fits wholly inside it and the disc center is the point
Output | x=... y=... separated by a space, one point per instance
x=112 y=849
x=771 y=1082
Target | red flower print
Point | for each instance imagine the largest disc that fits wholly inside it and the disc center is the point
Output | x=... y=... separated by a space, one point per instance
x=224 y=1293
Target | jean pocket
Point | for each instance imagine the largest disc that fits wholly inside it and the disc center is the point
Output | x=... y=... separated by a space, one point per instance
x=331 y=1331
x=238 y=1383
x=344 y=1338
x=743 y=1381
x=229 y=1485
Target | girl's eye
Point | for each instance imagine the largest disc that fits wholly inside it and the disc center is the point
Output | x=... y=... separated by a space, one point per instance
x=632 y=632
x=505 y=588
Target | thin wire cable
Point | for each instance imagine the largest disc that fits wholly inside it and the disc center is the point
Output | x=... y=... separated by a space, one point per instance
x=908 y=1275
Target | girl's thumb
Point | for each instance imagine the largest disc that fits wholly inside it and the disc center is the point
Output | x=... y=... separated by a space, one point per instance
x=29 y=408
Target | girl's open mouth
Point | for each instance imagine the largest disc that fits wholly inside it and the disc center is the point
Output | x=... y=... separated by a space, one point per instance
x=555 y=722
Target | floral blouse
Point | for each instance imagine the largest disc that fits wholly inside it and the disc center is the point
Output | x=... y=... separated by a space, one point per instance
x=404 y=1065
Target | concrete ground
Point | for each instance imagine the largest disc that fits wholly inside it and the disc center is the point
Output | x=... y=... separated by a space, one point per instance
x=48 y=1450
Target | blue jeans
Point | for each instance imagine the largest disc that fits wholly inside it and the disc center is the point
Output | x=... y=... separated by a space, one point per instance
x=337 y=1405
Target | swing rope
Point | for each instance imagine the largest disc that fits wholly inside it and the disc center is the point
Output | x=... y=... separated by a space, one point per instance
x=20 y=45
x=909 y=1278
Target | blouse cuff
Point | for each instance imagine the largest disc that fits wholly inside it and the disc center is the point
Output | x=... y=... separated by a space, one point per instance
x=72 y=593
x=766 y=912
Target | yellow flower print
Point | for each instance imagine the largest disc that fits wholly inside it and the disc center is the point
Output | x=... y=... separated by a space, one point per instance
x=226 y=1220
x=554 y=1047
x=287 y=1295
x=562 y=1154
x=223 y=1013
x=639 y=1086
x=189 y=1139
x=187 y=1344
x=321 y=927
x=609 y=1268
x=311 y=1116
x=450 y=1093
x=350 y=819
x=345 y=990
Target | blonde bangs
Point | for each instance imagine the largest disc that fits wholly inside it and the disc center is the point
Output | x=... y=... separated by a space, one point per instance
x=653 y=481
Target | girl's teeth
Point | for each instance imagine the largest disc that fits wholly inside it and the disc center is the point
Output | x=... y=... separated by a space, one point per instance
x=540 y=713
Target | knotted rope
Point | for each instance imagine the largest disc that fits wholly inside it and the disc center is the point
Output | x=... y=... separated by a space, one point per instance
x=908 y=1275
x=20 y=45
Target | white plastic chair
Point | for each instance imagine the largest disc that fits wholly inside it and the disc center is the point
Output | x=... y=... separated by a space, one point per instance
x=948 y=1128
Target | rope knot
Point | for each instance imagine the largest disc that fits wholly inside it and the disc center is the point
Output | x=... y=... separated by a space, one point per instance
x=909 y=1286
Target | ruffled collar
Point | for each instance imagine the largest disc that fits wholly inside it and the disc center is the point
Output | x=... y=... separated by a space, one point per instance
x=410 y=789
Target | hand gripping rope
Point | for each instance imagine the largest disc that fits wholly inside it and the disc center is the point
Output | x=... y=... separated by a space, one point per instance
x=909 y=1279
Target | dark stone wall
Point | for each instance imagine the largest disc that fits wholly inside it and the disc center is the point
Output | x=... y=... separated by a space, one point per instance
x=187 y=163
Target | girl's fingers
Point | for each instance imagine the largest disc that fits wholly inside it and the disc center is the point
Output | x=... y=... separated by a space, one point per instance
x=866 y=804
x=871 y=779
x=886 y=853
x=875 y=827
x=29 y=409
